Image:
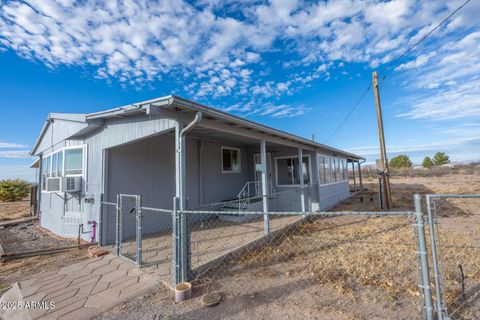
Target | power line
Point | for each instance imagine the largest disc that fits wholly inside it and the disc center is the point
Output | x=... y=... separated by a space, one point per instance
x=350 y=112
x=394 y=61
x=426 y=36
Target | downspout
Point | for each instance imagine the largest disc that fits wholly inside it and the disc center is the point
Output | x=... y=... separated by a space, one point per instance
x=182 y=260
x=181 y=151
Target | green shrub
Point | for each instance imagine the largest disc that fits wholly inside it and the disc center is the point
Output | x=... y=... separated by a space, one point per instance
x=427 y=162
x=401 y=161
x=13 y=190
x=441 y=158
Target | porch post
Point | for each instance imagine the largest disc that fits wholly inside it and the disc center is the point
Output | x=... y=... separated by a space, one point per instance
x=300 y=178
x=263 y=159
x=360 y=176
x=354 y=177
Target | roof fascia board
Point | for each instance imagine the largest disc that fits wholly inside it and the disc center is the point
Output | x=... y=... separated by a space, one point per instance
x=215 y=125
x=220 y=114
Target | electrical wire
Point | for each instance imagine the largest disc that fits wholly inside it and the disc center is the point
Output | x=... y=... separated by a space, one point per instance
x=383 y=73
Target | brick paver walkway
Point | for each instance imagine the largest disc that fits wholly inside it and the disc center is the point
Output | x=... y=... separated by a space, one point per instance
x=79 y=291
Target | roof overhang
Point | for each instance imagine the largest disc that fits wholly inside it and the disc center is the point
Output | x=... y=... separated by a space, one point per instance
x=210 y=114
x=36 y=163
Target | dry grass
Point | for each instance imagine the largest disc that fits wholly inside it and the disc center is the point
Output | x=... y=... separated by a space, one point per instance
x=347 y=253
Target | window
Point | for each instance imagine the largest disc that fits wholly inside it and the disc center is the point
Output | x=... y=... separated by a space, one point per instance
x=230 y=160
x=288 y=170
x=321 y=169
x=45 y=171
x=73 y=161
x=65 y=162
x=331 y=169
x=328 y=170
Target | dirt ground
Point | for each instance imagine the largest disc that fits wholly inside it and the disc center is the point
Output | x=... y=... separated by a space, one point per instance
x=29 y=237
x=334 y=268
x=14 y=210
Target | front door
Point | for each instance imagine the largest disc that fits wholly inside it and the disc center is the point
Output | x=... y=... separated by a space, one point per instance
x=258 y=173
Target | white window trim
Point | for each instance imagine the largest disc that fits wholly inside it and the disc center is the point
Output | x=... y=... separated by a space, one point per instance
x=239 y=159
x=293 y=157
x=84 y=164
x=327 y=159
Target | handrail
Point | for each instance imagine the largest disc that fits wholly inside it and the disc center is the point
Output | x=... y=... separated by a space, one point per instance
x=245 y=191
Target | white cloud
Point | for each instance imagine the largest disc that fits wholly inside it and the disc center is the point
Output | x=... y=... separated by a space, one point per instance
x=17 y=154
x=11 y=145
x=17 y=172
x=448 y=82
x=208 y=46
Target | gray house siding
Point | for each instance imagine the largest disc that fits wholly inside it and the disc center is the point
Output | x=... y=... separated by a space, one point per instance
x=135 y=154
x=57 y=132
x=218 y=186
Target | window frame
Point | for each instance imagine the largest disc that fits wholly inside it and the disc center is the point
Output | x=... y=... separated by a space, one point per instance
x=239 y=151
x=294 y=157
x=50 y=170
x=335 y=172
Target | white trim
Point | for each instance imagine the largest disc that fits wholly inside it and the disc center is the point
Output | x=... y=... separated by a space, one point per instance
x=293 y=157
x=62 y=150
x=327 y=159
x=239 y=159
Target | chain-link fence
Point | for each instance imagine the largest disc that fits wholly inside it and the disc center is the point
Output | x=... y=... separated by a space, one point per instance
x=360 y=265
x=455 y=243
x=293 y=259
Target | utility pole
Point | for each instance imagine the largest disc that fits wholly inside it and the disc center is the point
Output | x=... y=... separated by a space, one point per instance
x=383 y=149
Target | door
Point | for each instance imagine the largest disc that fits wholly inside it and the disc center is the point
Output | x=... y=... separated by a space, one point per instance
x=257 y=162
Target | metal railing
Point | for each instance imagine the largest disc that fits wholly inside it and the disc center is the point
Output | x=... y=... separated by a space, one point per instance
x=253 y=189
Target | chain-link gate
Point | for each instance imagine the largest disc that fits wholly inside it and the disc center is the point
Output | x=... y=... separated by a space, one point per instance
x=128 y=223
x=454 y=226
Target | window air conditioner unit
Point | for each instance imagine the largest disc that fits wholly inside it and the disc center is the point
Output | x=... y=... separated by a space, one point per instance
x=64 y=184
x=71 y=184
x=54 y=184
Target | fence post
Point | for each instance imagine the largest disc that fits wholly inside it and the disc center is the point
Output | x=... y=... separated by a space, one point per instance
x=139 y=231
x=433 y=244
x=427 y=292
x=117 y=226
x=185 y=247
x=176 y=243
x=101 y=220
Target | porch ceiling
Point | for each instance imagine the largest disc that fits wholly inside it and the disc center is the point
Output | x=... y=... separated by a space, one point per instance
x=220 y=136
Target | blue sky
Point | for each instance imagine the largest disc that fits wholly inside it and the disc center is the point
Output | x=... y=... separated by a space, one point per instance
x=295 y=65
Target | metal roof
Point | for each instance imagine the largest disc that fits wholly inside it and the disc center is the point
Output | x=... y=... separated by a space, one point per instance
x=172 y=101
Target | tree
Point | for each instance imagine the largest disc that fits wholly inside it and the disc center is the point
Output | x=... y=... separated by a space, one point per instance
x=440 y=158
x=427 y=162
x=401 y=161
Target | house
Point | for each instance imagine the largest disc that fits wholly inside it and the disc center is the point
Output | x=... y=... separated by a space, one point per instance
x=172 y=147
